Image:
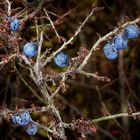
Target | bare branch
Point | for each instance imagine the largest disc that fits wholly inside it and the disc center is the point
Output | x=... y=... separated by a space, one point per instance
x=115 y=116
x=51 y=22
x=9 y=7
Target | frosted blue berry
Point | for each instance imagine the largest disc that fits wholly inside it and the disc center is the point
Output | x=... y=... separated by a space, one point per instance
x=21 y=118
x=32 y=129
x=61 y=59
x=110 y=51
x=30 y=49
x=131 y=31
x=14 y=24
x=120 y=41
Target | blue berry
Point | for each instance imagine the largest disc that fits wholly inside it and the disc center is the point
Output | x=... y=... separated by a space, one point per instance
x=21 y=118
x=30 y=49
x=132 y=31
x=61 y=59
x=32 y=129
x=14 y=24
x=120 y=41
x=110 y=51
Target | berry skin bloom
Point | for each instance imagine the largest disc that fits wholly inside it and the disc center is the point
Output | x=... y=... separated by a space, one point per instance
x=132 y=31
x=21 y=118
x=15 y=117
x=32 y=129
x=61 y=59
x=110 y=51
x=14 y=24
x=30 y=49
x=120 y=41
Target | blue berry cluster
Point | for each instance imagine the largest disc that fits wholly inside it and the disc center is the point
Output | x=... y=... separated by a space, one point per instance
x=61 y=59
x=30 y=49
x=120 y=41
x=24 y=119
x=21 y=118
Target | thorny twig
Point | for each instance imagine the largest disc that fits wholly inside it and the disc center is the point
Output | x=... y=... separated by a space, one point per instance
x=51 y=22
x=7 y=59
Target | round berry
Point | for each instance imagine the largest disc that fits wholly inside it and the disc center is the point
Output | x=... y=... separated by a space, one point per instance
x=30 y=49
x=61 y=59
x=132 y=31
x=21 y=118
x=120 y=41
x=110 y=51
x=32 y=129
x=14 y=24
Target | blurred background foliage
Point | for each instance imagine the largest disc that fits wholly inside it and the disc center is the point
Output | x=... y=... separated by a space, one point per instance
x=84 y=96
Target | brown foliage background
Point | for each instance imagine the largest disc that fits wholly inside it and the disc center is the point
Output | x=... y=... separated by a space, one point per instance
x=84 y=96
